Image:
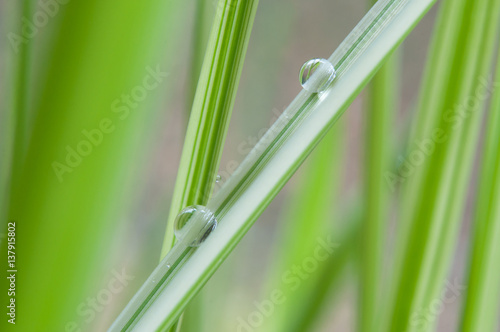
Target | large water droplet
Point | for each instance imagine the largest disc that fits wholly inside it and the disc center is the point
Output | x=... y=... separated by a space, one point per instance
x=194 y=224
x=316 y=75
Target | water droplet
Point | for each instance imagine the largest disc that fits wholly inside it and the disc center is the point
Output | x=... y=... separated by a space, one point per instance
x=218 y=178
x=316 y=75
x=194 y=224
x=153 y=281
x=168 y=266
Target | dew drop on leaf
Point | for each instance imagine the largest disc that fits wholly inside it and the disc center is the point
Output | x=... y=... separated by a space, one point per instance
x=196 y=223
x=316 y=75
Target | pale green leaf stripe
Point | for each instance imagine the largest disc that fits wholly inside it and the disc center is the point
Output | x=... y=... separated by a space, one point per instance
x=483 y=294
x=434 y=219
x=212 y=107
x=238 y=204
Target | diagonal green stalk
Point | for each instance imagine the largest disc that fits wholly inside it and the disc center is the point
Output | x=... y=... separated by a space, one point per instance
x=212 y=106
x=198 y=316
x=483 y=293
x=448 y=133
x=279 y=153
x=213 y=103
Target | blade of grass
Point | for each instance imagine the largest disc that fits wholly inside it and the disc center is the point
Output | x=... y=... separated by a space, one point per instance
x=70 y=224
x=438 y=190
x=280 y=152
x=203 y=17
x=380 y=121
x=226 y=53
x=198 y=317
x=445 y=44
x=193 y=318
x=254 y=113
x=212 y=107
x=214 y=100
x=483 y=293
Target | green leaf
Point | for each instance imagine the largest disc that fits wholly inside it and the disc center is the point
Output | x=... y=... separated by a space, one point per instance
x=214 y=100
x=380 y=121
x=445 y=142
x=266 y=169
x=73 y=190
x=483 y=292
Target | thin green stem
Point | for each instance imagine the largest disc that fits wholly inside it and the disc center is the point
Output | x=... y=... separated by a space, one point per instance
x=212 y=105
x=438 y=190
x=212 y=108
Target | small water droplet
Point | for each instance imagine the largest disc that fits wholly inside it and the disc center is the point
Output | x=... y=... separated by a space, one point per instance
x=168 y=266
x=218 y=178
x=316 y=75
x=153 y=281
x=205 y=223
